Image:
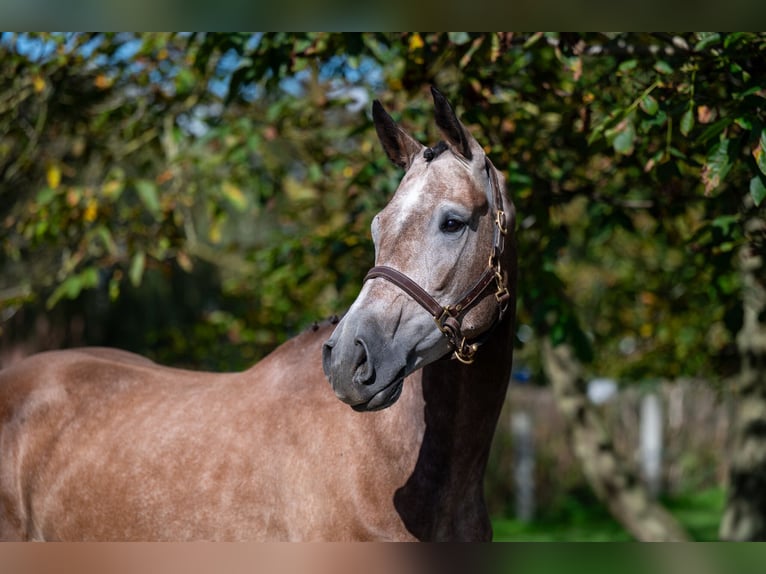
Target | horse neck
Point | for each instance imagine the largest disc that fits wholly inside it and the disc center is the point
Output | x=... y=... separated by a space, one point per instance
x=443 y=498
x=463 y=402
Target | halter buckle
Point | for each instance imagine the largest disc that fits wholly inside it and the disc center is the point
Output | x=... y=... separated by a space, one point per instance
x=501 y=222
x=442 y=319
x=501 y=295
x=465 y=353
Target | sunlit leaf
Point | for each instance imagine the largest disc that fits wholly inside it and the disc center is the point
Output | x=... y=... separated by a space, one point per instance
x=459 y=38
x=214 y=233
x=706 y=39
x=45 y=196
x=759 y=153
x=725 y=222
x=649 y=105
x=137 y=265
x=39 y=84
x=298 y=192
x=716 y=166
x=114 y=289
x=112 y=189
x=71 y=287
x=714 y=130
x=185 y=80
x=53 y=175
x=416 y=42
x=663 y=67
x=147 y=192
x=628 y=65
x=687 y=122
x=91 y=211
x=235 y=196
x=744 y=122
x=624 y=140
x=106 y=237
x=757 y=190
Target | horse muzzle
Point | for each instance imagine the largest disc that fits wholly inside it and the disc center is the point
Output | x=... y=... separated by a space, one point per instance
x=365 y=372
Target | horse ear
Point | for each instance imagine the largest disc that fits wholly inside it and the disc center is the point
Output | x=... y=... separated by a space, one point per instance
x=400 y=147
x=450 y=126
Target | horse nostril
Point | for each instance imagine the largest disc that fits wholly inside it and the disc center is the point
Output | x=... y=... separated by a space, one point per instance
x=364 y=372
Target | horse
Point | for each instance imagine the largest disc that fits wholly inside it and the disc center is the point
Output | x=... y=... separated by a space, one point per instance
x=102 y=444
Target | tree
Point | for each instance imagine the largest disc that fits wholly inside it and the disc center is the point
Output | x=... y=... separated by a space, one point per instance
x=745 y=516
x=162 y=171
x=197 y=166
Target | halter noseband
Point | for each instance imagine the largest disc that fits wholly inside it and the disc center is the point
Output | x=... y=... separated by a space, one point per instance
x=447 y=317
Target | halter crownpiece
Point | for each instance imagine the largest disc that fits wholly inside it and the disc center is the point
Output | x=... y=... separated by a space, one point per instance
x=430 y=153
x=447 y=317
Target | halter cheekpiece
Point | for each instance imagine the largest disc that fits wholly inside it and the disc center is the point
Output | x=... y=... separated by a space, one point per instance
x=447 y=317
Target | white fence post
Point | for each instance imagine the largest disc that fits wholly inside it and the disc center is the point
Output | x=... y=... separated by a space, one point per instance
x=650 y=449
x=524 y=465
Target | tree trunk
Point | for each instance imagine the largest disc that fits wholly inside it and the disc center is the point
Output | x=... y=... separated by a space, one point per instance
x=745 y=514
x=611 y=478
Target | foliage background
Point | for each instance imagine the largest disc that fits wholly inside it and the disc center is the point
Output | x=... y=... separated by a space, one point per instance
x=199 y=198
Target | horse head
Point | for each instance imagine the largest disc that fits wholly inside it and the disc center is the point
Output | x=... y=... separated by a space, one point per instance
x=441 y=278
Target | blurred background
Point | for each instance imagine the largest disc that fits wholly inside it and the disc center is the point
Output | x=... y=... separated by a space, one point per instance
x=200 y=198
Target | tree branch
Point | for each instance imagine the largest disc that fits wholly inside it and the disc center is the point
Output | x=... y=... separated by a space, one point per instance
x=608 y=474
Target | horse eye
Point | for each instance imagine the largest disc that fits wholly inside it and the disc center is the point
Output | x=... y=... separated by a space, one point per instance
x=451 y=225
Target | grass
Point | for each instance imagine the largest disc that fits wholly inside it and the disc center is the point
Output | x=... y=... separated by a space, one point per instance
x=586 y=520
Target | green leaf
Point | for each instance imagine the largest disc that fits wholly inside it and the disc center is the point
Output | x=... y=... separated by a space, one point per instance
x=725 y=222
x=298 y=192
x=649 y=105
x=68 y=288
x=558 y=334
x=714 y=129
x=185 y=80
x=459 y=38
x=759 y=153
x=73 y=285
x=41 y=228
x=687 y=122
x=89 y=278
x=706 y=39
x=716 y=166
x=147 y=192
x=623 y=141
x=757 y=190
x=45 y=195
x=663 y=67
x=752 y=90
x=628 y=65
x=137 y=266
x=114 y=289
x=734 y=38
x=106 y=236
x=235 y=196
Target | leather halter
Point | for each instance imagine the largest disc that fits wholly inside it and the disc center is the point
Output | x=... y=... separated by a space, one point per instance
x=447 y=317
